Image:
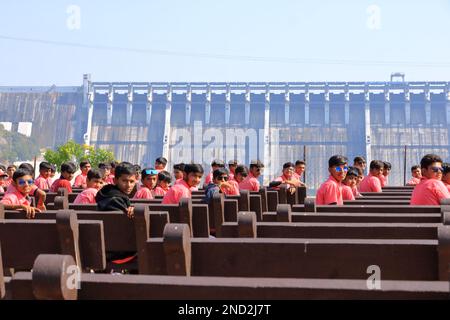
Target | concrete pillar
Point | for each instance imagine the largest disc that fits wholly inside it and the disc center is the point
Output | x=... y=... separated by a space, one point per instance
x=188 y=104
x=287 y=99
x=347 y=105
x=447 y=102
x=227 y=104
x=109 y=107
x=367 y=124
x=327 y=105
x=129 y=104
x=427 y=104
x=149 y=104
x=307 y=105
x=266 y=150
x=407 y=106
x=247 y=105
x=166 y=139
x=387 y=106
x=90 y=100
x=208 y=105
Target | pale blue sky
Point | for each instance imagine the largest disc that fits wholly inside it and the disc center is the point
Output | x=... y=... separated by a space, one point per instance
x=200 y=40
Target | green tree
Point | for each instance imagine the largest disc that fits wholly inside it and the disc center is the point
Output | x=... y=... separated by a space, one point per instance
x=72 y=151
x=16 y=147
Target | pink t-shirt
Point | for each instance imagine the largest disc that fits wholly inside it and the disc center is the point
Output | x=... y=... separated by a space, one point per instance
x=283 y=178
x=231 y=176
x=42 y=183
x=429 y=192
x=143 y=193
x=249 y=183
x=61 y=183
x=413 y=181
x=234 y=191
x=110 y=179
x=356 y=192
x=370 y=183
x=159 y=191
x=347 y=193
x=329 y=192
x=14 y=197
x=208 y=178
x=383 y=180
x=80 y=180
x=180 y=190
x=87 y=196
x=447 y=186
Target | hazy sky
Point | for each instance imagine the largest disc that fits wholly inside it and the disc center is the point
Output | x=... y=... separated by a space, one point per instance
x=54 y=42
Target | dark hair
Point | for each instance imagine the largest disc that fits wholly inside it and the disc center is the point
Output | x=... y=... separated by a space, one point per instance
x=387 y=165
x=93 y=174
x=256 y=164
x=103 y=165
x=428 y=160
x=179 y=166
x=446 y=168
x=3 y=167
x=124 y=169
x=45 y=166
x=12 y=166
x=28 y=167
x=19 y=173
x=359 y=159
x=232 y=163
x=114 y=164
x=194 y=168
x=376 y=164
x=352 y=171
x=337 y=160
x=288 y=165
x=84 y=163
x=415 y=167
x=125 y=162
x=217 y=163
x=220 y=172
x=242 y=170
x=164 y=176
x=68 y=167
x=146 y=172
x=161 y=160
x=137 y=168
x=359 y=170
x=299 y=162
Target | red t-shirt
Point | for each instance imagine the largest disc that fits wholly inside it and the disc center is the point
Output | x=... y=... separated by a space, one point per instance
x=330 y=192
x=61 y=183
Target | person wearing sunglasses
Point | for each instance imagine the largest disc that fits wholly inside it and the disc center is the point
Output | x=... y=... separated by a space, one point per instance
x=251 y=181
x=330 y=192
x=17 y=196
x=149 y=178
x=193 y=174
x=372 y=182
x=219 y=184
x=431 y=190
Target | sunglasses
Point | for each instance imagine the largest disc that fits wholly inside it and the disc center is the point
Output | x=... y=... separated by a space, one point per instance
x=151 y=172
x=22 y=182
x=437 y=169
x=223 y=178
x=339 y=169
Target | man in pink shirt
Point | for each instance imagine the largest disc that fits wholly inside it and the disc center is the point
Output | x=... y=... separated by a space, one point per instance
x=183 y=189
x=44 y=182
x=17 y=196
x=80 y=180
x=160 y=164
x=416 y=175
x=232 y=164
x=251 y=181
x=240 y=173
x=431 y=190
x=330 y=192
x=67 y=171
x=287 y=178
x=10 y=171
x=386 y=171
x=94 y=182
x=216 y=164
x=3 y=179
x=360 y=162
x=372 y=183
x=349 y=189
x=300 y=167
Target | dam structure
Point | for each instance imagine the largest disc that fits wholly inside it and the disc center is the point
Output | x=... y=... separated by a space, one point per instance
x=276 y=122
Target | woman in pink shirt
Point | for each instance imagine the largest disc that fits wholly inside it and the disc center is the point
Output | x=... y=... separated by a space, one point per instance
x=372 y=182
x=193 y=174
x=164 y=180
x=149 y=178
x=431 y=190
x=416 y=176
x=330 y=192
x=94 y=182
x=17 y=196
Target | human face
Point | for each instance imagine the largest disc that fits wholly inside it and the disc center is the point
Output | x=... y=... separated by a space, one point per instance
x=24 y=184
x=256 y=171
x=288 y=172
x=164 y=185
x=232 y=167
x=434 y=171
x=239 y=177
x=10 y=171
x=338 y=172
x=193 y=178
x=150 y=181
x=86 y=168
x=299 y=169
x=178 y=174
x=95 y=183
x=159 y=166
x=223 y=178
x=125 y=182
x=45 y=173
x=360 y=178
x=361 y=165
x=386 y=171
x=67 y=175
x=351 y=181
x=446 y=178
x=377 y=172
x=417 y=173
